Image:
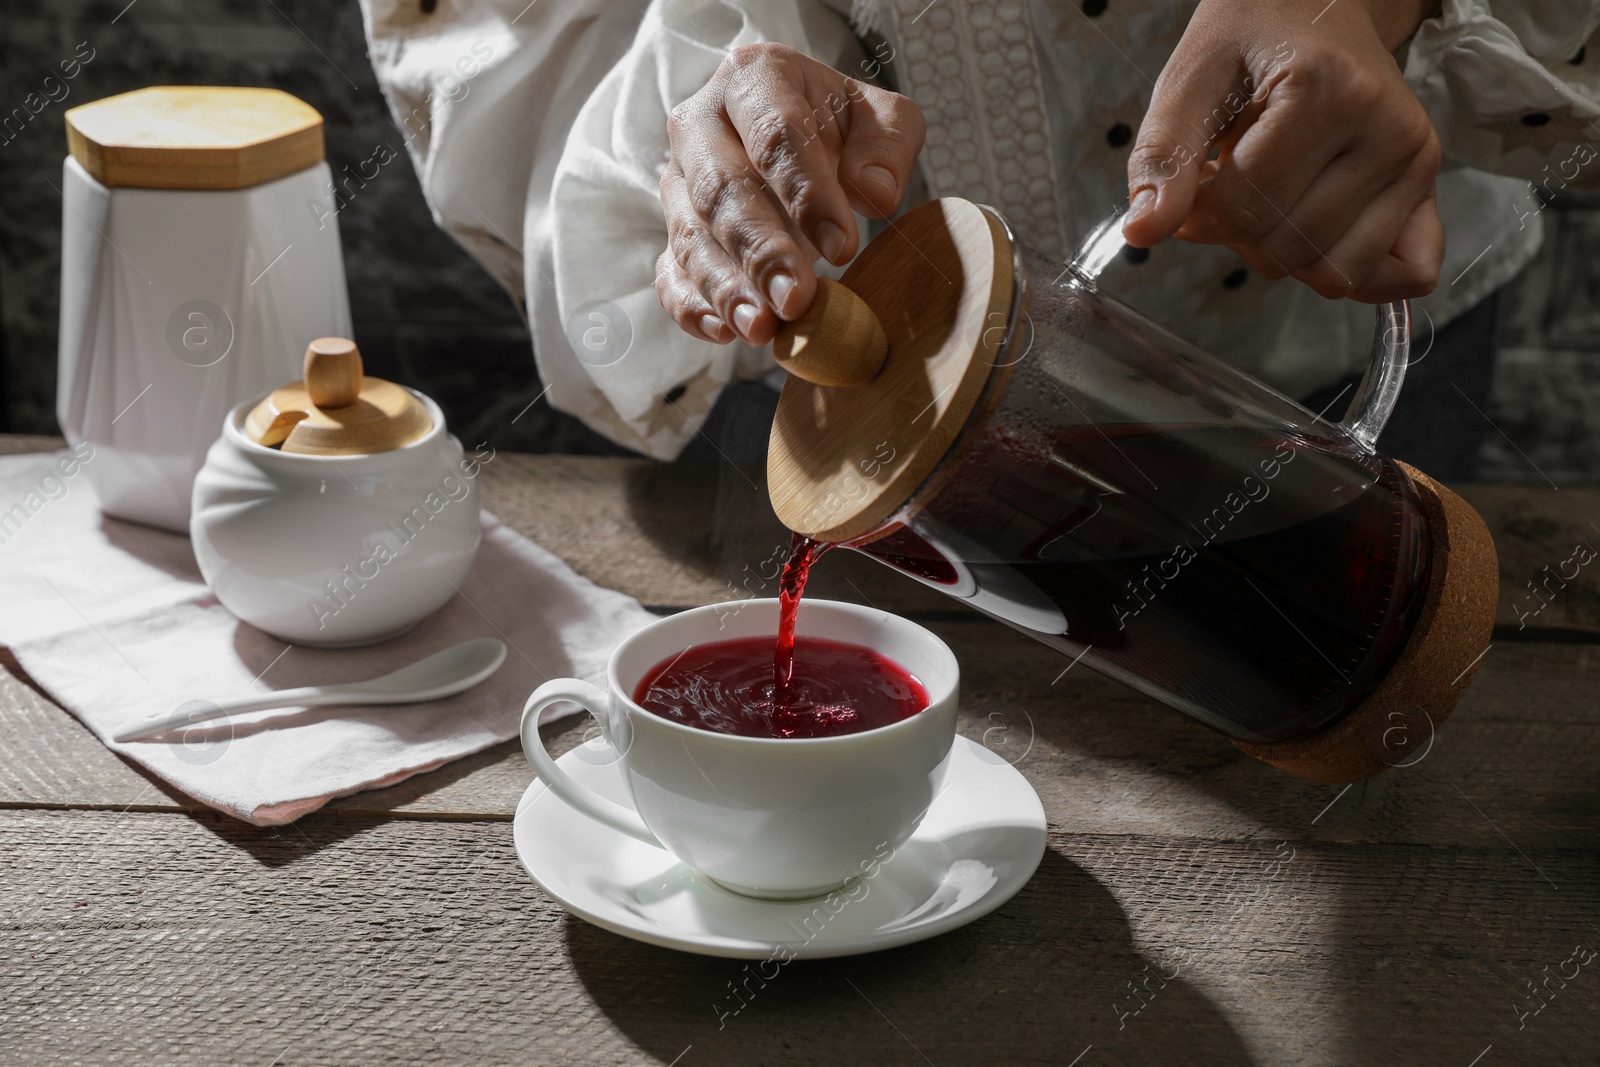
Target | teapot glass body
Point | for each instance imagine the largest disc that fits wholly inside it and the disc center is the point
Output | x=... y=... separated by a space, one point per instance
x=1169 y=520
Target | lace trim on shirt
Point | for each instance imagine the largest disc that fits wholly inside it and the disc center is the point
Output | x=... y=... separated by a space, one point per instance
x=973 y=69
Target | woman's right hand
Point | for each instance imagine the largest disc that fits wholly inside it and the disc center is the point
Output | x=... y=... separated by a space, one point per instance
x=770 y=162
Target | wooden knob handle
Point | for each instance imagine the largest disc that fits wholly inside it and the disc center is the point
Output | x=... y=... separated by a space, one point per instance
x=838 y=341
x=333 y=372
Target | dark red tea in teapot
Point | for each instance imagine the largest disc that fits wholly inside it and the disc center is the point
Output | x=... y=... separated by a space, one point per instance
x=1261 y=606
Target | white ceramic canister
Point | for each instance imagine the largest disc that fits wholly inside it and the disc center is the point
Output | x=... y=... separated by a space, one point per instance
x=336 y=550
x=195 y=268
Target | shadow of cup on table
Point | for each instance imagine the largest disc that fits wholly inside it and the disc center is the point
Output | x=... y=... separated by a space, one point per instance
x=1037 y=981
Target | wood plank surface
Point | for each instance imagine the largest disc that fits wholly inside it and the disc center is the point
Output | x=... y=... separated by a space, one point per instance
x=1536 y=533
x=143 y=937
x=1103 y=759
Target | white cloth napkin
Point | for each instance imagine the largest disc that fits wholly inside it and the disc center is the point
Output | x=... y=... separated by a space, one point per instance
x=113 y=621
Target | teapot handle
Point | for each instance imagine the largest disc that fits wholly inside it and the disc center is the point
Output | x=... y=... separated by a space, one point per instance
x=1375 y=397
x=1391 y=337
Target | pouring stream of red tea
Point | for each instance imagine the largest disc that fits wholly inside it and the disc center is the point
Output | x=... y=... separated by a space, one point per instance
x=803 y=552
x=820 y=687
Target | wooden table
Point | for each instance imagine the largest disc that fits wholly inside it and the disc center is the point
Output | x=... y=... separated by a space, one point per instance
x=1248 y=916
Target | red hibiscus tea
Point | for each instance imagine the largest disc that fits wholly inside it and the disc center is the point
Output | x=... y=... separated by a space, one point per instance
x=730 y=687
x=1266 y=613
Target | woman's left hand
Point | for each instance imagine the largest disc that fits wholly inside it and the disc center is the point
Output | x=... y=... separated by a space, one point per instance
x=1325 y=160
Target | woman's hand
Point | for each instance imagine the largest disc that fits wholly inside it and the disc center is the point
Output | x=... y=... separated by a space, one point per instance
x=1327 y=160
x=769 y=162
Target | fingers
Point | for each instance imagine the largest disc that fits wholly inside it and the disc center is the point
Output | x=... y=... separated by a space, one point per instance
x=1324 y=161
x=730 y=199
x=1196 y=101
x=1411 y=267
x=1395 y=220
x=885 y=136
x=1327 y=210
x=1286 y=196
x=792 y=143
x=706 y=262
x=1279 y=156
x=769 y=164
x=683 y=301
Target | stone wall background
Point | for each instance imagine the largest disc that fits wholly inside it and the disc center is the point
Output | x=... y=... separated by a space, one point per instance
x=1547 y=387
x=426 y=314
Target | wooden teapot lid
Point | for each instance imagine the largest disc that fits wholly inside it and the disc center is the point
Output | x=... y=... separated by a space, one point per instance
x=194 y=137
x=1395 y=725
x=336 y=410
x=852 y=445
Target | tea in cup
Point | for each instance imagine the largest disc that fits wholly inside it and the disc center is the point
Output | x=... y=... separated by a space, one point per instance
x=765 y=799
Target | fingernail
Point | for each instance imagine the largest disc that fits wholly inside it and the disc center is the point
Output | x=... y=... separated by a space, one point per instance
x=830 y=240
x=744 y=317
x=711 y=326
x=1144 y=202
x=880 y=176
x=778 y=290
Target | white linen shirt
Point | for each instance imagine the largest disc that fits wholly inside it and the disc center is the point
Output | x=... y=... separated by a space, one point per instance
x=538 y=131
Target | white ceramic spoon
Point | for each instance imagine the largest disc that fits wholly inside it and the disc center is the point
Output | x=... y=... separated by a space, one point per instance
x=442 y=674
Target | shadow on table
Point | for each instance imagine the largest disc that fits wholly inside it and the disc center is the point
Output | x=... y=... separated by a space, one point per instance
x=1438 y=901
x=162 y=549
x=1038 y=981
x=344 y=817
x=713 y=516
x=1083 y=721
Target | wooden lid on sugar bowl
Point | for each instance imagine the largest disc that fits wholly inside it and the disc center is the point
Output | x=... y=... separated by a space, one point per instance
x=194 y=137
x=885 y=368
x=336 y=410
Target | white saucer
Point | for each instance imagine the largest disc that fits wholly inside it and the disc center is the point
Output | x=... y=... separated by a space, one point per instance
x=980 y=842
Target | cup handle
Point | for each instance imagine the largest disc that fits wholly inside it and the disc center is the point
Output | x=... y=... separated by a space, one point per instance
x=1391 y=338
x=592 y=804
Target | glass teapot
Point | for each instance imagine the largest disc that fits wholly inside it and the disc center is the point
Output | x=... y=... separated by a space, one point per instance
x=988 y=422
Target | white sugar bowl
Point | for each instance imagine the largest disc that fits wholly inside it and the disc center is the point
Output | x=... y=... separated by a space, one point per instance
x=356 y=520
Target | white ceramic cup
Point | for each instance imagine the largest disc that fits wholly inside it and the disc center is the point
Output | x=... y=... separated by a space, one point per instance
x=767 y=817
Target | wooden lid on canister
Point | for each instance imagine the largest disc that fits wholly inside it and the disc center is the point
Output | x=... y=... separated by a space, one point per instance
x=194 y=137
x=336 y=410
x=886 y=367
